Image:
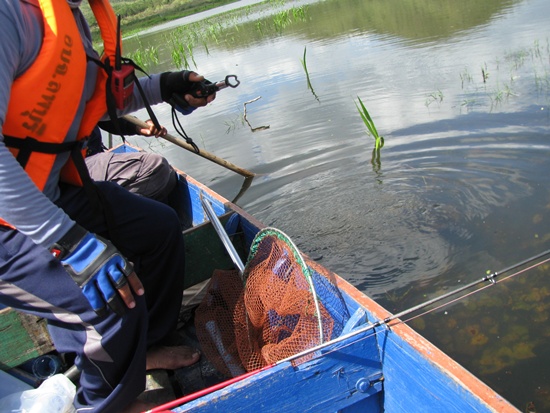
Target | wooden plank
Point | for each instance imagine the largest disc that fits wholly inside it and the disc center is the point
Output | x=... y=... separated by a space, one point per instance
x=22 y=337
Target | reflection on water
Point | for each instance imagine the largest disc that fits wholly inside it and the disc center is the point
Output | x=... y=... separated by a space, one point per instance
x=459 y=90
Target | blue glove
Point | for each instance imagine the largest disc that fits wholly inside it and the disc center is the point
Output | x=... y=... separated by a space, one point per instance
x=181 y=105
x=96 y=266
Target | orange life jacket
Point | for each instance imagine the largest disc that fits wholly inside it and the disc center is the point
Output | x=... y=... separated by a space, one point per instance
x=45 y=98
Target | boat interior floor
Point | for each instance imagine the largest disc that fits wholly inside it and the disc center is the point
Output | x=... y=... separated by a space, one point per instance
x=163 y=386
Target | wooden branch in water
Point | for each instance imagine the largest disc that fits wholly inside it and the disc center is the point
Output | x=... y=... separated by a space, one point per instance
x=251 y=128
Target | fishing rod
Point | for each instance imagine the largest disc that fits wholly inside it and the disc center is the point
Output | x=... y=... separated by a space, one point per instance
x=488 y=278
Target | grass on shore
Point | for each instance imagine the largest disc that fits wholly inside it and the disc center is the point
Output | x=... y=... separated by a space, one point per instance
x=137 y=15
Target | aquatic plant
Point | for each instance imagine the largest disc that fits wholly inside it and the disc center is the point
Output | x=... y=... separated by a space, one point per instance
x=144 y=56
x=304 y=65
x=479 y=339
x=281 y=20
x=434 y=97
x=468 y=103
x=300 y=13
x=484 y=73
x=465 y=76
x=176 y=58
x=371 y=128
x=182 y=51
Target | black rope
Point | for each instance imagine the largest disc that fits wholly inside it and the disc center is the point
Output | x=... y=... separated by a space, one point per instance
x=179 y=129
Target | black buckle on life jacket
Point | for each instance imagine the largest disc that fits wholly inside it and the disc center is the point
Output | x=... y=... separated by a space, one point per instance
x=26 y=146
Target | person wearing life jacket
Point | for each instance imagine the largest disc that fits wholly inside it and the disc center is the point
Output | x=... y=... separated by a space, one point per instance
x=102 y=265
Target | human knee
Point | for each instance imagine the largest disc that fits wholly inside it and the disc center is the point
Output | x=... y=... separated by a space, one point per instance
x=161 y=178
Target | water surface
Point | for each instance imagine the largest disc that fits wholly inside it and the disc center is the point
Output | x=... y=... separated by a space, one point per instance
x=459 y=90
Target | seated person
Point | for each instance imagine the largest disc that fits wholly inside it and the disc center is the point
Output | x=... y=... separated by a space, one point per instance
x=143 y=173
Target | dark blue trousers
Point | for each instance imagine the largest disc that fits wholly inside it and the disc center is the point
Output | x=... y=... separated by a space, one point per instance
x=110 y=350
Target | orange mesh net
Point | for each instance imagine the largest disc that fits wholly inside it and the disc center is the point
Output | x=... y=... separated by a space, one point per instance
x=275 y=315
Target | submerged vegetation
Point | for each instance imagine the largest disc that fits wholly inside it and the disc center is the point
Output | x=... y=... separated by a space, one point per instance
x=497 y=82
x=496 y=334
x=475 y=326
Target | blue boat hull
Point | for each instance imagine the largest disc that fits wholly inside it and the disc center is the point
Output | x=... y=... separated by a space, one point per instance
x=385 y=369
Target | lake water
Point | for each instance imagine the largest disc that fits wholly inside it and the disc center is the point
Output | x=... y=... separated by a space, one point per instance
x=459 y=90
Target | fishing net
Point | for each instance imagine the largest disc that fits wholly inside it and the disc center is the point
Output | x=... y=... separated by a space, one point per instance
x=281 y=306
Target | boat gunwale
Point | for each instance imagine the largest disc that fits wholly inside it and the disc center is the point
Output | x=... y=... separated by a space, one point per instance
x=430 y=352
x=444 y=363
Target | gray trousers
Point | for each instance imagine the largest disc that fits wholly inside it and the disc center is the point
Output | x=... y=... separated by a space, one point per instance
x=143 y=173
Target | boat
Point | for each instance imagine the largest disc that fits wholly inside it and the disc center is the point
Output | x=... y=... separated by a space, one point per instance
x=376 y=363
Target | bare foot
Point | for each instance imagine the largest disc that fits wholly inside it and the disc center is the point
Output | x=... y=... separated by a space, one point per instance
x=138 y=407
x=171 y=358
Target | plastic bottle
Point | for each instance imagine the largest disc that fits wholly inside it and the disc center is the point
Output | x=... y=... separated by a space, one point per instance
x=46 y=366
x=54 y=395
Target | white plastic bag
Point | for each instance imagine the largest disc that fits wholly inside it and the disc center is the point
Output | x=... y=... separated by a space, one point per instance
x=54 y=395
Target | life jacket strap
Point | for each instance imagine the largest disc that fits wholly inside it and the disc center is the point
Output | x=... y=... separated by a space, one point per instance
x=111 y=105
x=26 y=146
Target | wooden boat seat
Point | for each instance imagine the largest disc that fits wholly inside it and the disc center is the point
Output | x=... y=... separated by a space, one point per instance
x=22 y=337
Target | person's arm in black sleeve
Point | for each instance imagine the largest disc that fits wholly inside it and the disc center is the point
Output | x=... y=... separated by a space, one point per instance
x=125 y=127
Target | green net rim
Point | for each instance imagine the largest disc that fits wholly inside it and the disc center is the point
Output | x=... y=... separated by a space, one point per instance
x=270 y=231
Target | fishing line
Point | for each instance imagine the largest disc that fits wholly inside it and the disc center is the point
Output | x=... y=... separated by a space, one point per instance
x=490 y=277
x=475 y=291
x=388 y=325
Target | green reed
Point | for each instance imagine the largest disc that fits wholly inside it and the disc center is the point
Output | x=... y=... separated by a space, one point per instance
x=183 y=44
x=184 y=40
x=304 y=65
x=371 y=129
x=378 y=140
x=281 y=20
x=434 y=97
x=144 y=56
